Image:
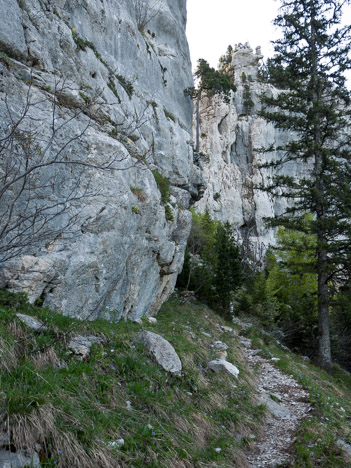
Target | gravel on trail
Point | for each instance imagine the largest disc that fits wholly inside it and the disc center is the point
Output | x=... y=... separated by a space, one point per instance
x=287 y=403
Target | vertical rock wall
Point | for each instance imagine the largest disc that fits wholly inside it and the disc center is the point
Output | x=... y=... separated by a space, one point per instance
x=116 y=94
x=231 y=135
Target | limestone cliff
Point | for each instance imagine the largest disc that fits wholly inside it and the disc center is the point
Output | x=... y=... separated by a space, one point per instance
x=231 y=135
x=96 y=99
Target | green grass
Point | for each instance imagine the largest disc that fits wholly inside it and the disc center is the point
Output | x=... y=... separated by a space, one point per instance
x=79 y=408
x=76 y=410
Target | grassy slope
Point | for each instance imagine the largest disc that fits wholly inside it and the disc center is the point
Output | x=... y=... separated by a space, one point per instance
x=77 y=411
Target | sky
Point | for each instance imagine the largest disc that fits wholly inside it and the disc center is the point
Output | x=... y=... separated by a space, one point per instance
x=214 y=24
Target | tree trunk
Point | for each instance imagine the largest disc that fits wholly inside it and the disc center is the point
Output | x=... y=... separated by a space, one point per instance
x=198 y=99
x=324 y=351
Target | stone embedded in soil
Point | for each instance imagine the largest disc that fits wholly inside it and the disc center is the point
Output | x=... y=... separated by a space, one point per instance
x=80 y=345
x=225 y=329
x=279 y=411
x=162 y=351
x=221 y=365
x=346 y=448
x=220 y=346
x=32 y=322
x=151 y=319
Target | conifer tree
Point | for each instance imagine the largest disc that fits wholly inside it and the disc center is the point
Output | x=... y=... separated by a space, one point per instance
x=309 y=64
x=228 y=271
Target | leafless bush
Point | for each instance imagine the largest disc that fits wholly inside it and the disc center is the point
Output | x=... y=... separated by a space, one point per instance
x=145 y=11
x=44 y=185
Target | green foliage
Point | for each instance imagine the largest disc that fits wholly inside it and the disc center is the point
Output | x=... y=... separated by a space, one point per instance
x=248 y=102
x=135 y=209
x=165 y=190
x=81 y=43
x=212 y=262
x=163 y=186
x=310 y=63
x=228 y=275
x=85 y=98
x=139 y=193
x=112 y=87
x=5 y=59
x=213 y=81
x=225 y=62
x=169 y=214
x=284 y=296
x=169 y=115
x=126 y=85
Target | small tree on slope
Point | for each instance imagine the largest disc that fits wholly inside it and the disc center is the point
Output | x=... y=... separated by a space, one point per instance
x=309 y=64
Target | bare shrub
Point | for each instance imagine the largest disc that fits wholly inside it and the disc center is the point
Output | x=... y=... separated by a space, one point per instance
x=145 y=11
x=44 y=186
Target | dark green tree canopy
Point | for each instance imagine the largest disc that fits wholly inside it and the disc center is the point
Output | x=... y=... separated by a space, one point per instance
x=314 y=106
x=211 y=81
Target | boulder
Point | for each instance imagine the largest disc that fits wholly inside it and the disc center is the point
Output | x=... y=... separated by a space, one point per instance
x=162 y=351
x=152 y=320
x=221 y=365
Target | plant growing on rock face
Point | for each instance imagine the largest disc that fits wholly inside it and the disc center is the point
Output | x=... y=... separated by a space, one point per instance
x=163 y=186
x=211 y=82
x=145 y=11
x=225 y=62
x=247 y=101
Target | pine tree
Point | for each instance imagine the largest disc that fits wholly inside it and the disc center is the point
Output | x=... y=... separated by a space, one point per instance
x=309 y=64
x=228 y=273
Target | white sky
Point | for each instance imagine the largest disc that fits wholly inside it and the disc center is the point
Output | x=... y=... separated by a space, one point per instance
x=214 y=24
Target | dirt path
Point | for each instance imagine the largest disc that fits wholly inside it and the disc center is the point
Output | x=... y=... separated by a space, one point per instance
x=287 y=403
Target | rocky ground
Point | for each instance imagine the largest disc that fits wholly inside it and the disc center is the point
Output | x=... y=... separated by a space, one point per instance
x=287 y=403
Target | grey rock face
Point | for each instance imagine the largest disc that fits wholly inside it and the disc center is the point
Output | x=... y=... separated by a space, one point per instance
x=162 y=351
x=109 y=98
x=4 y=439
x=19 y=459
x=231 y=135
